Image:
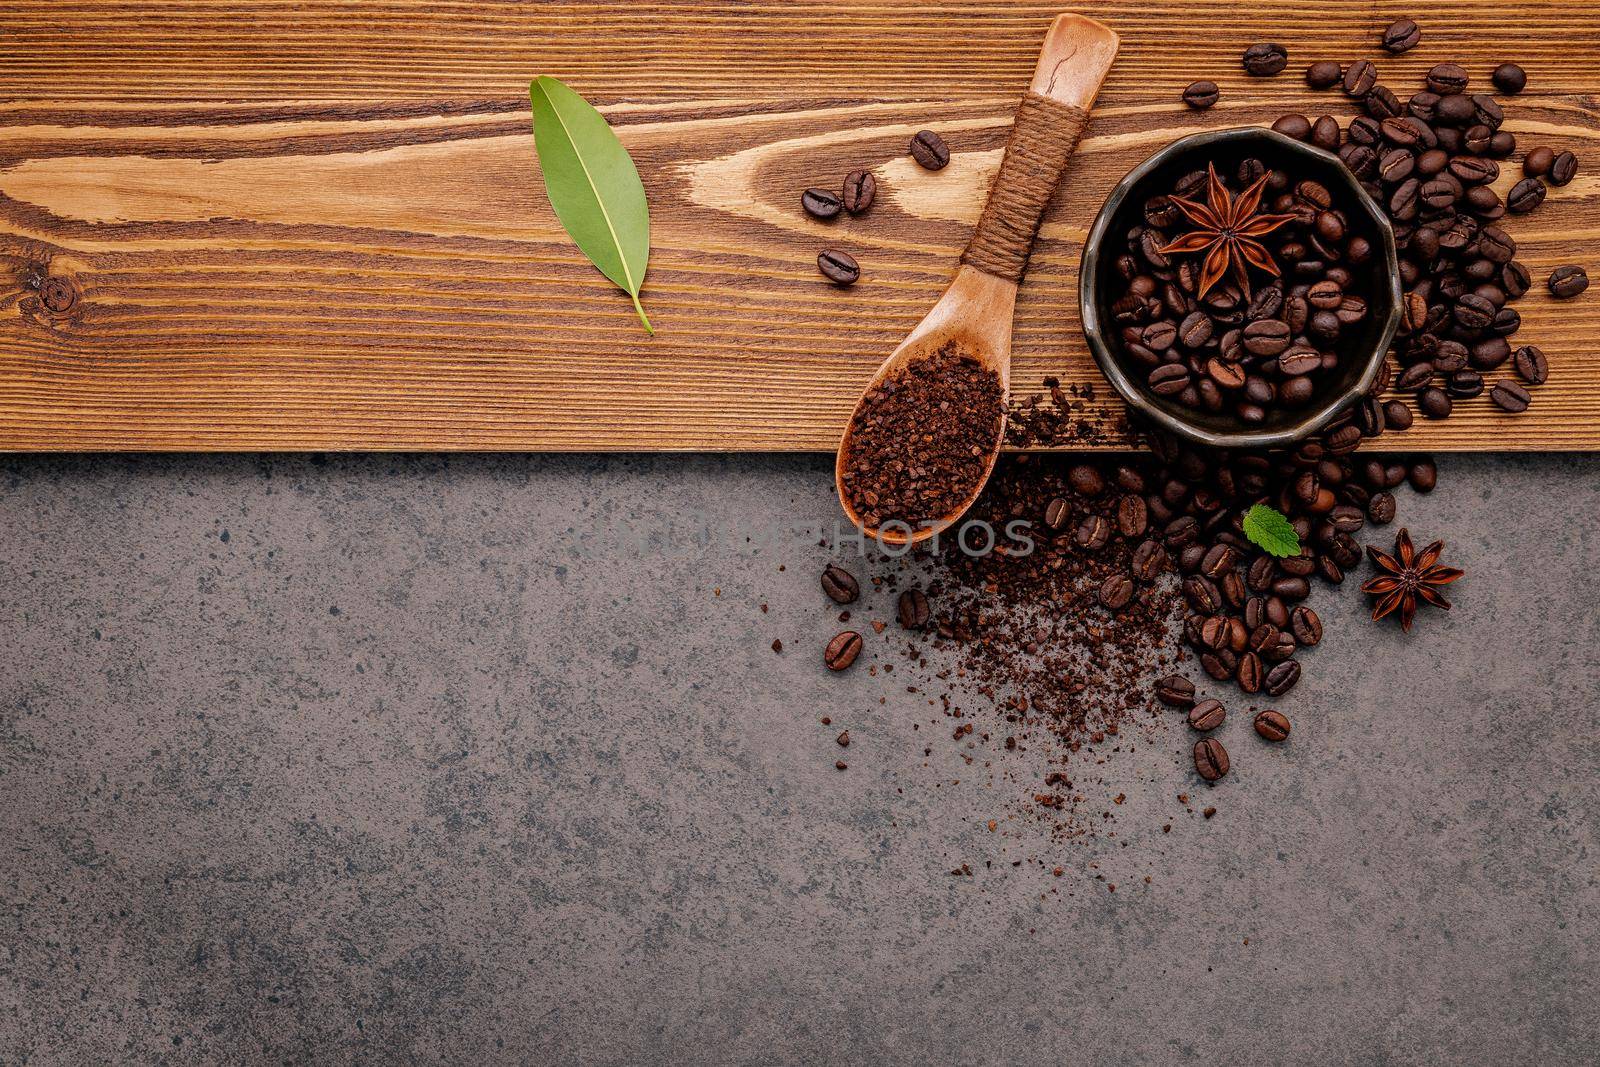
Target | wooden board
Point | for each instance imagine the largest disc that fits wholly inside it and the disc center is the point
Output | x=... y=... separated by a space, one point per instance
x=319 y=225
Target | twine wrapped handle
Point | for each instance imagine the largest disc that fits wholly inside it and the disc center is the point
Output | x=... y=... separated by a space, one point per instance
x=1043 y=137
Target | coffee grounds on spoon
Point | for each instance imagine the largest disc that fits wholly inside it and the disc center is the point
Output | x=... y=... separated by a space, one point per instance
x=921 y=439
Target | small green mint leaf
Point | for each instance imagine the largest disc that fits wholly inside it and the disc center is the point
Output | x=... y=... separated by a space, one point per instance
x=1269 y=529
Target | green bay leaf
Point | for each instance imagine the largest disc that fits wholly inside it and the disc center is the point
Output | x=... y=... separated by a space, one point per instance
x=593 y=185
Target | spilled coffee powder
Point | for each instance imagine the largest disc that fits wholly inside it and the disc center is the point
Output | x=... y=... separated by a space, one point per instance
x=920 y=441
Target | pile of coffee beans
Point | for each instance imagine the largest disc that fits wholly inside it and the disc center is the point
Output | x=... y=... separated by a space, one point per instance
x=855 y=197
x=920 y=441
x=1430 y=161
x=1226 y=349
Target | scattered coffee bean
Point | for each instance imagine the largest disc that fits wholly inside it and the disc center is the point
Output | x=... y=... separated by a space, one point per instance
x=1422 y=475
x=1509 y=78
x=1210 y=759
x=820 y=203
x=1567 y=282
x=1537 y=162
x=1116 y=592
x=1175 y=690
x=1265 y=60
x=1359 y=78
x=1401 y=36
x=840 y=585
x=1563 y=168
x=1524 y=196
x=842 y=651
x=1447 y=79
x=1282 y=678
x=1272 y=725
x=929 y=150
x=1207 y=715
x=860 y=189
x=1531 y=365
x=1295 y=126
x=912 y=609
x=1509 y=396
x=1200 y=94
x=1323 y=75
x=840 y=268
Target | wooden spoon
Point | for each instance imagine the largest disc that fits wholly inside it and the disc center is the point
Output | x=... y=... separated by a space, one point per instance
x=976 y=310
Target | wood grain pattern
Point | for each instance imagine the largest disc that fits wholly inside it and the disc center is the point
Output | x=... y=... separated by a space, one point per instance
x=315 y=225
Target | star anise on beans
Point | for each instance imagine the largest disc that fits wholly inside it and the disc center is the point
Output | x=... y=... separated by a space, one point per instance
x=1407 y=577
x=1227 y=231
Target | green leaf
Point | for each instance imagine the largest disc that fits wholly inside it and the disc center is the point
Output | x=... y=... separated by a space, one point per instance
x=593 y=185
x=1270 y=529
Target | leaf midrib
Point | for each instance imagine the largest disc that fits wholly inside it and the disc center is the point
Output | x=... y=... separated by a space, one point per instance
x=622 y=253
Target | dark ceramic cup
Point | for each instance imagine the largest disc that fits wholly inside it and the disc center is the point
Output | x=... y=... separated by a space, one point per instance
x=1362 y=350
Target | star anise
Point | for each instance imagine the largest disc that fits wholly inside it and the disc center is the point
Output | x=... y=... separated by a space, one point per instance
x=1411 y=577
x=1226 y=232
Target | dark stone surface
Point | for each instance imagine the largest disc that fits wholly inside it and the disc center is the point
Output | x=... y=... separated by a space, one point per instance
x=422 y=760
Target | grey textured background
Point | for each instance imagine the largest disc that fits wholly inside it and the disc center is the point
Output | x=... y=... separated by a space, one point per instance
x=426 y=760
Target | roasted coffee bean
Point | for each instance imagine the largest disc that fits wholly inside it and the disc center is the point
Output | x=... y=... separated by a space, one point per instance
x=1509 y=396
x=1306 y=626
x=1057 y=514
x=1207 y=715
x=1454 y=110
x=1195 y=330
x=912 y=609
x=1417 y=375
x=1086 y=480
x=1272 y=725
x=1567 y=282
x=840 y=268
x=1200 y=94
x=1486 y=111
x=1214 y=632
x=1220 y=664
x=1447 y=78
x=1563 y=168
x=1359 y=78
x=1116 y=592
x=1538 y=161
x=1323 y=74
x=1531 y=365
x=929 y=150
x=1396 y=416
x=1509 y=78
x=1093 y=533
x=1325 y=133
x=1423 y=475
x=842 y=651
x=1396 y=165
x=1133 y=516
x=1249 y=673
x=1381 y=103
x=1297 y=127
x=1434 y=403
x=1380 y=509
x=1202 y=594
x=1265 y=60
x=1524 y=196
x=1464 y=384
x=1282 y=677
x=1149 y=560
x=860 y=189
x=1401 y=36
x=1210 y=759
x=1175 y=690
x=820 y=203
x=840 y=585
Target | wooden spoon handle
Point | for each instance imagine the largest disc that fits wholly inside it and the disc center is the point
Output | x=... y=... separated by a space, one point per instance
x=1076 y=55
